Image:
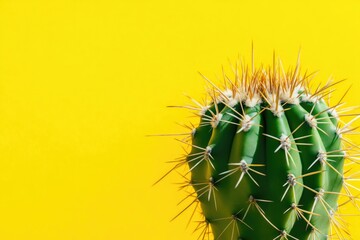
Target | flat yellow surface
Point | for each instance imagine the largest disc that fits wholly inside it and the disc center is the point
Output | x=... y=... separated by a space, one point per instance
x=83 y=82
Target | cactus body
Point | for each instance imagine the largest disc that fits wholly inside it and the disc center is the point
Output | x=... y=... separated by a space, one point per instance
x=267 y=160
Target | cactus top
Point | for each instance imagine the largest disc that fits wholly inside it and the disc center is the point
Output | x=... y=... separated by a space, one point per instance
x=272 y=87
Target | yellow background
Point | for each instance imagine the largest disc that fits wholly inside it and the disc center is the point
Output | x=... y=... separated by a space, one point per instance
x=83 y=82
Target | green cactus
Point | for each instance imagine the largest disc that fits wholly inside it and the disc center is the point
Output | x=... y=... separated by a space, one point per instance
x=267 y=159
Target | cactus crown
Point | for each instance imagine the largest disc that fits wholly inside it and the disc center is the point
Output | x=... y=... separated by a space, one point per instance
x=267 y=158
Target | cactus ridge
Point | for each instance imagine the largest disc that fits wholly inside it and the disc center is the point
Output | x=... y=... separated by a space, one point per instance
x=267 y=158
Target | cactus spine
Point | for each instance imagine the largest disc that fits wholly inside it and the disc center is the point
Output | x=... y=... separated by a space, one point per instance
x=267 y=159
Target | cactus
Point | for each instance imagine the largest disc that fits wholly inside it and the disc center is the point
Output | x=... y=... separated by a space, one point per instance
x=267 y=158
